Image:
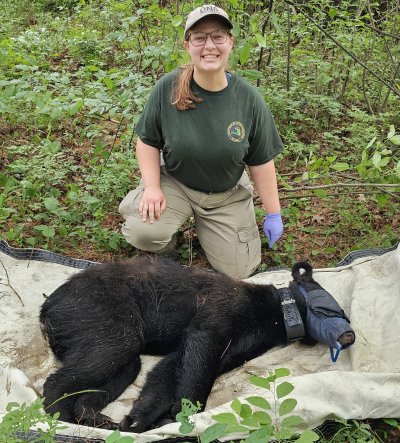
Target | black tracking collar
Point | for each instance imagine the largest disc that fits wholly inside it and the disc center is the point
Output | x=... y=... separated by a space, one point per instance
x=291 y=315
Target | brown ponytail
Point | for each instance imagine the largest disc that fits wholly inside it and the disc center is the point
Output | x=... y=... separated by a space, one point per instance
x=182 y=96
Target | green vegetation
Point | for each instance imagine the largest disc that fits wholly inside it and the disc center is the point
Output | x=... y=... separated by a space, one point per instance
x=20 y=419
x=258 y=419
x=266 y=423
x=74 y=75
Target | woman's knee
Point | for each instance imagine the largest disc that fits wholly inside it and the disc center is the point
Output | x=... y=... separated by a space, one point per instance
x=152 y=237
x=237 y=258
x=242 y=269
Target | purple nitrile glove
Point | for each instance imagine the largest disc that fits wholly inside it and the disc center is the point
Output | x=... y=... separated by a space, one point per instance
x=273 y=228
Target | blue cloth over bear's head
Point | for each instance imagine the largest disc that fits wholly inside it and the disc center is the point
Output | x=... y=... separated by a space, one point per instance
x=326 y=321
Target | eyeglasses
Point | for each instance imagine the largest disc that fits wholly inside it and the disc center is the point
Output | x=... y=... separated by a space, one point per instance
x=199 y=38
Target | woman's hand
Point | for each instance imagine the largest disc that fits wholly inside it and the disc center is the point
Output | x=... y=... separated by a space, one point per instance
x=153 y=204
x=153 y=201
x=273 y=228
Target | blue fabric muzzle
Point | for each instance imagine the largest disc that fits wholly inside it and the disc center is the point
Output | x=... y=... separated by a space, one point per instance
x=326 y=321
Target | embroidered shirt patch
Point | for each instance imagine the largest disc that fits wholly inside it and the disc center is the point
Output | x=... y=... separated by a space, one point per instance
x=236 y=132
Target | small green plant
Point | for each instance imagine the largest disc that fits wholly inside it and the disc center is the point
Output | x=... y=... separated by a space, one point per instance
x=354 y=431
x=185 y=417
x=265 y=423
x=28 y=423
x=22 y=418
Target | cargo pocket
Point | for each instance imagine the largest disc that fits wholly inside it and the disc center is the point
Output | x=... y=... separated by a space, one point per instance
x=249 y=250
x=248 y=233
x=130 y=204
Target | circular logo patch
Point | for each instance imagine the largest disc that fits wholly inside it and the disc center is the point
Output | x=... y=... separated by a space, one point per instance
x=236 y=132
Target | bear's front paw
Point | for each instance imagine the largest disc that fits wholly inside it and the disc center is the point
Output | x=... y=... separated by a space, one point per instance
x=129 y=424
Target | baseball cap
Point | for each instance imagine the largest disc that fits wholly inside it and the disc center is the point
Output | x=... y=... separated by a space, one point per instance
x=206 y=11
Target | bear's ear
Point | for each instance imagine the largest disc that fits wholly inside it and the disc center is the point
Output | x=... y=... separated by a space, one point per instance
x=302 y=272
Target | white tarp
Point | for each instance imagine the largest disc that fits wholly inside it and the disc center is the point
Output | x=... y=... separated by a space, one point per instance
x=363 y=383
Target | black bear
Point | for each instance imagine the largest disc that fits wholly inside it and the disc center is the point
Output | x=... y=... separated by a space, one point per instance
x=102 y=319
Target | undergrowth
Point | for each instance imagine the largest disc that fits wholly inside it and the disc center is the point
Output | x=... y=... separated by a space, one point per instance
x=257 y=419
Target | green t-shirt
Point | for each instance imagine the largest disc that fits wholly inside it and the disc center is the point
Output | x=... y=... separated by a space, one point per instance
x=207 y=148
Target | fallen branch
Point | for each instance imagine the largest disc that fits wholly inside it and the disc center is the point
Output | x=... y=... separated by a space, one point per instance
x=312 y=195
x=344 y=185
x=380 y=188
x=9 y=284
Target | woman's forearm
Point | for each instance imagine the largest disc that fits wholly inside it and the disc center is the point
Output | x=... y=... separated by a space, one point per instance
x=148 y=159
x=265 y=182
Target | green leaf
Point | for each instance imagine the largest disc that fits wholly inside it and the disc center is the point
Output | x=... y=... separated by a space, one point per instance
x=109 y=83
x=262 y=417
x=252 y=74
x=244 y=54
x=114 y=437
x=376 y=158
x=330 y=250
x=72 y=195
x=391 y=132
x=332 y=12
x=261 y=435
x=46 y=231
x=51 y=203
x=250 y=422
x=282 y=372
x=293 y=420
x=225 y=418
x=75 y=107
x=51 y=147
x=284 y=434
x=260 y=402
x=340 y=166
x=236 y=30
x=261 y=40
x=308 y=437
x=384 y=162
x=184 y=417
x=382 y=199
x=395 y=140
x=90 y=199
x=284 y=389
x=235 y=428
x=331 y=158
x=245 y=411
x=56 y=113
x=186 y=426
x=63 y=230
x=320 y=193
x=317 y=163
x=236 y=406
x=391 y=422
x=177 y=21
x=261 y=382
x=12 y=405
x=371 y=143
x=287 y=406
x=214 y=432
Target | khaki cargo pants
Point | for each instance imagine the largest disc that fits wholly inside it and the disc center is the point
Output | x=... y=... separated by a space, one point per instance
x=224 y=221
